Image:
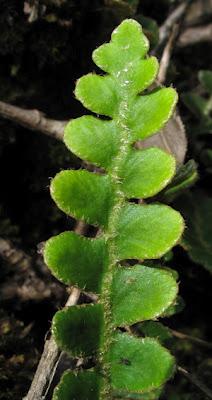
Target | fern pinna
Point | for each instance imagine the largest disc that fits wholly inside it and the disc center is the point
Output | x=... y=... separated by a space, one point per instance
x=127 y=367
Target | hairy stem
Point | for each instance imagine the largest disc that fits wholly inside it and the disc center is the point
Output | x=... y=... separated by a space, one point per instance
x=121 y=123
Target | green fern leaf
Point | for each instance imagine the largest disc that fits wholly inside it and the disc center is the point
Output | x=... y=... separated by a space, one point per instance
x=126 y=367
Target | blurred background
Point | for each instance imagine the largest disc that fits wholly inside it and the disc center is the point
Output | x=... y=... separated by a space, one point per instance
x=45 y=45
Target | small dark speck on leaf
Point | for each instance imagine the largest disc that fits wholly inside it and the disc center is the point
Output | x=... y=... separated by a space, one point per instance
x=125 y=361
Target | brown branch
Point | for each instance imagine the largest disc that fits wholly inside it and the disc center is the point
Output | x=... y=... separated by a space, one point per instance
x=190 y=35
x=199 y=12
x=48 y=362
x=195 y=35
x=195 y=381
x=170 y=30
x=166 y=56
x=171 y=20
x=33 y=119
x=184 y=336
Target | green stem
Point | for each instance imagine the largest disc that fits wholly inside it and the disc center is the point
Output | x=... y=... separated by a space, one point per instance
x=109 y=234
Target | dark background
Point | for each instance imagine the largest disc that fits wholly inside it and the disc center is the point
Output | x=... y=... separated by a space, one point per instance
x=39 y=64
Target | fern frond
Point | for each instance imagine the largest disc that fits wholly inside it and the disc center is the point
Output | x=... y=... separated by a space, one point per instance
x=126 y=366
